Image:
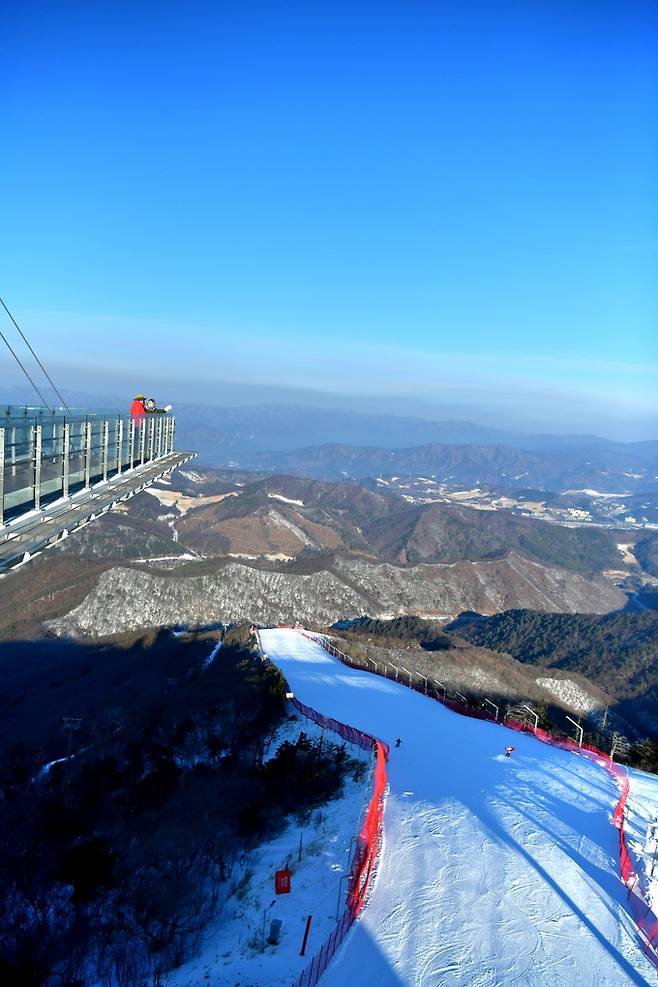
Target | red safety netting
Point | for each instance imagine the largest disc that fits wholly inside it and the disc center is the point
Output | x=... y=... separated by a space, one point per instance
x=645 y=918
x=368 y=840
x=370 y=836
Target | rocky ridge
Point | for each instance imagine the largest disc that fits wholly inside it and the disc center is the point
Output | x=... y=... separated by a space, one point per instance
x=127 y=598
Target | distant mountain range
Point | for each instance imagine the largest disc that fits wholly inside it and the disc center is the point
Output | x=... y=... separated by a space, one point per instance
x=333 y=443
x=604 y=466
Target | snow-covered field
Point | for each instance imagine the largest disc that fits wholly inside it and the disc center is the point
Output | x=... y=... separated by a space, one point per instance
x=235 y=954
x=493 y=871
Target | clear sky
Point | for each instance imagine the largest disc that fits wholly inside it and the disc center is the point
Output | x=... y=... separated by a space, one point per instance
x=445 y=208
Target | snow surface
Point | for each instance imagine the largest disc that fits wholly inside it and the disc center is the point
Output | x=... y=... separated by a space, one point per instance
x=595 y=493
x=285 y=500
x=493 y=871
x=641 y=810
x=233 y=954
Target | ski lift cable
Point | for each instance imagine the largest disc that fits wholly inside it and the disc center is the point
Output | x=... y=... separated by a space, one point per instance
x=27 y=343
x=8 y=345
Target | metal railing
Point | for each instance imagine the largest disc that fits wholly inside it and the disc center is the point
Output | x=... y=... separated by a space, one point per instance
x=49 y=455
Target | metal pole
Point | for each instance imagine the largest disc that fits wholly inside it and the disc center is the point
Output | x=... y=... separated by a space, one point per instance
x=2 y=476
x=463 y=698
x=340 y=894
x=66 y=451
x=424 y=678
x=306 y=932
x=532 y=713
x=119 y=445
x=131 y=441
x=578 y=727
x=493 y=705
x=87 y=440
x=37 y=466
x=106 y=439
x=151 y=439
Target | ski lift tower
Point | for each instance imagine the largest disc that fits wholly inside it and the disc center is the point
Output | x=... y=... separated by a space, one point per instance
x=62 y=468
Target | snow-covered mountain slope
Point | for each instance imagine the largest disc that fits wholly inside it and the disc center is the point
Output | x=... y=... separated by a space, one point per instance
x=493 y=870
x=129 y=598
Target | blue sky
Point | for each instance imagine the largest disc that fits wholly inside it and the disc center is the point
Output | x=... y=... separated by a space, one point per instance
x=449 y=209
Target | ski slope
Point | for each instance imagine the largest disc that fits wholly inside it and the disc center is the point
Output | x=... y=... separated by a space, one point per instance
x=493 y=871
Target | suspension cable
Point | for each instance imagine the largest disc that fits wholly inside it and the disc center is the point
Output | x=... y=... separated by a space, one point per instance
x=26 y=341
x=8 y=345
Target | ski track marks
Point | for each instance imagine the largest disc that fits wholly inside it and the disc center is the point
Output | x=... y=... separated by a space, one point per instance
x=492 y=871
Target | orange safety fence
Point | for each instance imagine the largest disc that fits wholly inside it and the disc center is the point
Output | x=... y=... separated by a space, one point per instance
x=644 y=917
x=368 y=841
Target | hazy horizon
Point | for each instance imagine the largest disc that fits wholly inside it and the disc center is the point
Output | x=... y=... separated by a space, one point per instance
x=434 y=212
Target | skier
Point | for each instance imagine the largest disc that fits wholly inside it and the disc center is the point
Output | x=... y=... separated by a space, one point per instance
x=398 y=742
x=508 y=751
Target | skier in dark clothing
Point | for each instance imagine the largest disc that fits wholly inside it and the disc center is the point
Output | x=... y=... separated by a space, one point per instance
x=398 y=742
x=508 y=751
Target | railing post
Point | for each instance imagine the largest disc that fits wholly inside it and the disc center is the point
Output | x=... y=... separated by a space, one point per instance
x=106 y=442
x=119 y=445
x=2 y=476
x=172 y=436
x=131 y=443
x=37 y=467
x=151 y=439
x=142 y=441
x=66 y=449
x=87 y=434
x=159 y=439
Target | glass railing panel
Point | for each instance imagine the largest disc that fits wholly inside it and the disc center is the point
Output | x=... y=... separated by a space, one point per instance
x=52 y=462
x=20 y=430
x=76 y=457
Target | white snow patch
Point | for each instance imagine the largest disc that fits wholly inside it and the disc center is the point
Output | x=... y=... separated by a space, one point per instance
x=569 y=692
x=285 y=500
x=213 y=654
x=594 y=493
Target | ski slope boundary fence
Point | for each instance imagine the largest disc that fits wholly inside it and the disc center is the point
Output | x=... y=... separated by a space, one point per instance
x=643 y=916
x=368 y=839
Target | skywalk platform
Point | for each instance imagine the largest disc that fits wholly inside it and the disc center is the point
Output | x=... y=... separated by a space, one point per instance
x=59 y=472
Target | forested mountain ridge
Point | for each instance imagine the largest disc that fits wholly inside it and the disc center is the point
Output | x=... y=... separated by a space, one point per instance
x=617 y=650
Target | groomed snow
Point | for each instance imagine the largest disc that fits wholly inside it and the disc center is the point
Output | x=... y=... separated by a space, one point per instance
x=493 y=871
